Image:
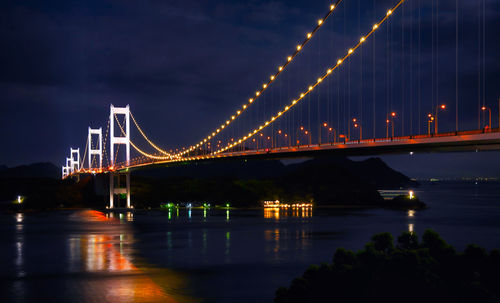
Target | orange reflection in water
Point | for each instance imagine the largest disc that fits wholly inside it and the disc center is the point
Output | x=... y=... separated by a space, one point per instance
x=277 y=213
x=122 y=281
x=99 y=254
x=272 y=212
x=273 y=236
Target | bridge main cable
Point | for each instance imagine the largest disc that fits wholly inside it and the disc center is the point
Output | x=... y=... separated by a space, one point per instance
x=84 y=155
x=312 y=87
x=147 y=139
x=155 y=157
x=266 y=85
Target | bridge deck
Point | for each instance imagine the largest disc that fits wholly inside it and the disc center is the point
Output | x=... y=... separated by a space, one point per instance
x=478 y=140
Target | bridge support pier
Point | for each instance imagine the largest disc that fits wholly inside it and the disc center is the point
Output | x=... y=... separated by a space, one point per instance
x=118 y=190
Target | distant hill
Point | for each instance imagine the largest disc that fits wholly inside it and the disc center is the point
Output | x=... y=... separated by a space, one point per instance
x=35 y=170
x=241 y=169
x=325 y=180
x=372 y=171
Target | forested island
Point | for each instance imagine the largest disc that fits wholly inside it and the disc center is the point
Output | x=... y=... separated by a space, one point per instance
x=242 y=183
x=429 y=270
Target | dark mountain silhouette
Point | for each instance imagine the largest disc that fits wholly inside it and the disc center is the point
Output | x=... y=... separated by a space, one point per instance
x=35 y=170
x=241 y=169
x=324 y=181
x=373 y=170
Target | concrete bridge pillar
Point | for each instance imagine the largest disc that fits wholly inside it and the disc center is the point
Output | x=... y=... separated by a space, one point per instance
x=116 y=187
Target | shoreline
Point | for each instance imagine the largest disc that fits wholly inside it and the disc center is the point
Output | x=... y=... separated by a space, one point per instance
x=342 y=207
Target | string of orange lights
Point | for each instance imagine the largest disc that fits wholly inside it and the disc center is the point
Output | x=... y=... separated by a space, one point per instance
x=138 y=149
x=176 y=157
x=266 y=85
x=146 y=138
x=313 y=86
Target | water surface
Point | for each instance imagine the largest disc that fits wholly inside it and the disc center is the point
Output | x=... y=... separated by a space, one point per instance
x=212 y=256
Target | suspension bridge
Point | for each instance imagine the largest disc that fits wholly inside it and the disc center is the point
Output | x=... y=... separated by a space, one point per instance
x=378 y=93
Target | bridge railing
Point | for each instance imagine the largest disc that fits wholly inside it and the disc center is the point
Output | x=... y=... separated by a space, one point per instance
x=147 y=161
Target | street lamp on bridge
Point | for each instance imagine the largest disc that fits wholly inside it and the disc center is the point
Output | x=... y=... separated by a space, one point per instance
x=443 y=107
x=329 y=131
x=306 y=132
x=357 y=124
x=285 y=137
x=388 y=121
x=354 y=121
x=431 y=120
x=489 y=114
x=270 y=140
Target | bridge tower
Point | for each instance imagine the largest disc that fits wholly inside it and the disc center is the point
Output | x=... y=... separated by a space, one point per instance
x=75 y=163
x=95 y=151
x=124 y=140
x=68 y=166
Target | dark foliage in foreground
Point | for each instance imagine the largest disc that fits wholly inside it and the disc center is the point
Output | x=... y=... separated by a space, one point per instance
x=429 y=271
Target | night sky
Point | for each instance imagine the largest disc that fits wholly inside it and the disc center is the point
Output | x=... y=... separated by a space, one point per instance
x=185 y=66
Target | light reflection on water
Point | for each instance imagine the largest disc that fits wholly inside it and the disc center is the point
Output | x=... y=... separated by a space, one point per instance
x=411 y=227
x=19 y=245
x=101 y=246
x=411 y=219
x=233 y=250
x=277 y=213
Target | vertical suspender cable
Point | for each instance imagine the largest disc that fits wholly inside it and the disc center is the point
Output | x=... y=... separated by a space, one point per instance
x=411 y=67
x=484 y=52
x=419 y=75
x=479 y=66
x=437 y=57
x=456 y=65
x=373 y=82
x=361 y=76
x=403 y=72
